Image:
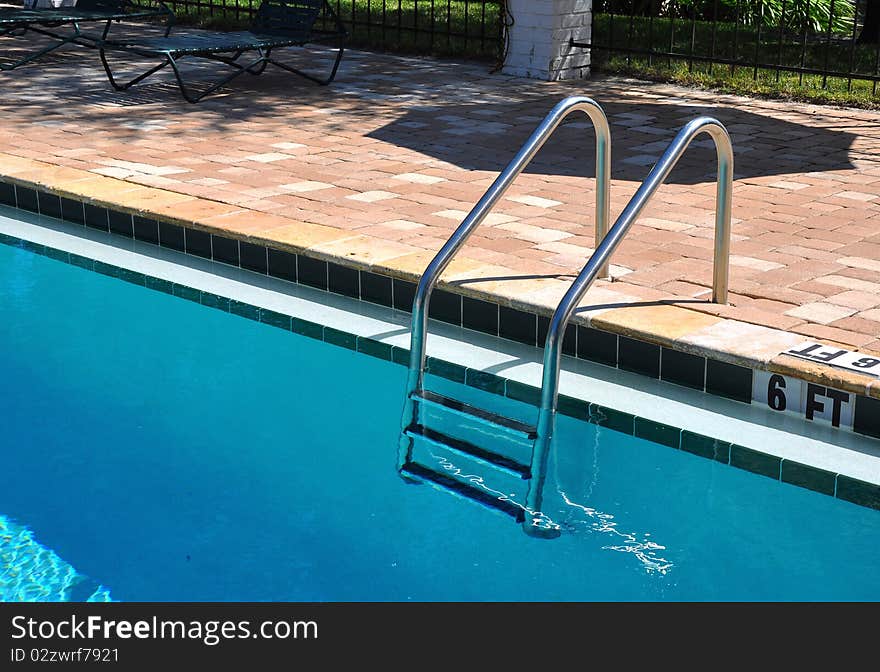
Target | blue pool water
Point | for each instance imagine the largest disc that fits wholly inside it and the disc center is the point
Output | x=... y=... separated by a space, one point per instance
x=173 y=452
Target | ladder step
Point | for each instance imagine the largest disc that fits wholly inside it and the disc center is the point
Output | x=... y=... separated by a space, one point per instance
x=432 y=398
x=468 y=491
x=463 y=447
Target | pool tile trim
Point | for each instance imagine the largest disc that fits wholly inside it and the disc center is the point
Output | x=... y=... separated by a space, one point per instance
x=630 y=337
x=630 y=350
x=783 y=470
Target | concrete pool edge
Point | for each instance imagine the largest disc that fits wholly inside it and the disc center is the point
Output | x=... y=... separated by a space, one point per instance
x=835 y=463
x=43 y=188
x=676 y=326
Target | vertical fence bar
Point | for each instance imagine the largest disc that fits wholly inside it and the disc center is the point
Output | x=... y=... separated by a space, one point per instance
x=415 y=27
x=454 y=25
x=852 y=46
x=827 y=46
x=735 y=56
x=610 y=28
x=632 y=18
x=693 y=38
x=483 y=26
x=449 y=24
x=876 y=67
x=779 y=46
x=467 y=27
x=432 y=25
x=714 y=36
x=804 y=44
x=651 y=34
x=672 y=10
x=757 y=45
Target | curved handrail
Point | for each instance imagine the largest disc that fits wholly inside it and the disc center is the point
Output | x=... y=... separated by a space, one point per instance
x=552 y=347
x=442 y=259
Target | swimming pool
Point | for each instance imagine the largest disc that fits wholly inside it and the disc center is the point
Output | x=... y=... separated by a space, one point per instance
x=171 y=451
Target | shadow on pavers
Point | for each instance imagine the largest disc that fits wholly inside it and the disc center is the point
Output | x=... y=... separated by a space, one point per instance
x=452 y=112
x=487 y=136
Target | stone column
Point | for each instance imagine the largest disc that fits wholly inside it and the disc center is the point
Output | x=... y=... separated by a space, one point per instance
x=538 y=45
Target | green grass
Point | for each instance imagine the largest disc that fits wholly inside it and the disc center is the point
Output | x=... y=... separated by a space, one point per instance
x=741 y=45
x=452 y=28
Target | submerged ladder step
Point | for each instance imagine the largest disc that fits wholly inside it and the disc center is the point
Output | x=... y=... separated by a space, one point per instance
x=433 y=399
x=470 y=450
x=468 y=491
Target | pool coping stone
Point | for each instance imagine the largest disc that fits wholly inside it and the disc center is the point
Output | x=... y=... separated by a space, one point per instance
x=508 y=309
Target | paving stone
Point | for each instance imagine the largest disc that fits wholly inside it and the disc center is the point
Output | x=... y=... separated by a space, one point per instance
x=822 y=313
x=370 y=158
x=372 y=196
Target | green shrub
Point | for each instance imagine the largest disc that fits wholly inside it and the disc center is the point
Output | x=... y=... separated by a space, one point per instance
x=796 y=15
x=793 y=15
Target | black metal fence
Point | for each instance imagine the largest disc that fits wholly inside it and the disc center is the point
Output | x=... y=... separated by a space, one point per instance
x=471 y=28
x=820 y=44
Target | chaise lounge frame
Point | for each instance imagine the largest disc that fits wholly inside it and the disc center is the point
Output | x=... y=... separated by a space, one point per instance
x=277 y=24
x=62 y=24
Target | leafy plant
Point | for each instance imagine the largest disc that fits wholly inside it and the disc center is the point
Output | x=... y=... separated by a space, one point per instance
x=797 y=15
x=791 y=15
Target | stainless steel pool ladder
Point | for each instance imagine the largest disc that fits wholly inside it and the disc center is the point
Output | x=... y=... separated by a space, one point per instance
x=534 y=522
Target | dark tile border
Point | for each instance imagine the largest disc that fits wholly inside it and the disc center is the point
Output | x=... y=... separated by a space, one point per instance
x=197 y=243
x=253 y=257
x=866 y=416
x=705 y=446
x=145 y=229
x=120 y=222
x=27 y=199
x=683 y=368
x=808 y=477
x=638 y=357
x=573 y=407
x=729 y=380
x=344 y=280
x=657 y=432
x=516 y=325
x=842 y=487
x=490 y=318
x=99 y=218
x=225 y=250
x=7 y=194
x=445 y=306
x=755 y=461
x=586 y=343
x=596 y=346
x=612 y=419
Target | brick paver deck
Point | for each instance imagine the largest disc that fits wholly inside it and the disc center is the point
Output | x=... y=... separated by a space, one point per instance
x=398 y=149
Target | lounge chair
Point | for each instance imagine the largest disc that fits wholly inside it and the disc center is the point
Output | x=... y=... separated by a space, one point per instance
x=62 y=24
x=277 y=24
